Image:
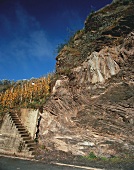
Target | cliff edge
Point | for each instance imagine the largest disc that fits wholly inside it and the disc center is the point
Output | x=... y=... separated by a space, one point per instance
x=91 y=106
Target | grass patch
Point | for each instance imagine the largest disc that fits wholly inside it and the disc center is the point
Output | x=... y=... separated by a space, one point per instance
x=91 y=156
x=113 y=160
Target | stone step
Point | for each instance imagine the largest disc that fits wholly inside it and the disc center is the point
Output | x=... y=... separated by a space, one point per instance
x=21 y=128
x=15 y=118
x=13 y=115
x=29 y=141
x=33 y=145
x=30 y=144
x=31 y=149
x=26 y=139
x=33 y=153
x=23 y=132
x=17 y=121
x=25 y=135
x=18 y=124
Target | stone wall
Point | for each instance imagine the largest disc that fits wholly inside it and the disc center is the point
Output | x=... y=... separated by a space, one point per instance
x=29 y=119
x=10 y=139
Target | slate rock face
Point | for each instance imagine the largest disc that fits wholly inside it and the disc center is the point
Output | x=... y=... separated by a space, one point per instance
x=91 y=107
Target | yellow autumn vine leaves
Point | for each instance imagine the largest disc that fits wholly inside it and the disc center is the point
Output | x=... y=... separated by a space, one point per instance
x=26 y=92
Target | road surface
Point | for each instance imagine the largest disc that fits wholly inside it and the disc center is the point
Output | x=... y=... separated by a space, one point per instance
x=7 y=163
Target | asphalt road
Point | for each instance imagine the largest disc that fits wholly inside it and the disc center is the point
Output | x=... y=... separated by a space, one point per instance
x=7 y=163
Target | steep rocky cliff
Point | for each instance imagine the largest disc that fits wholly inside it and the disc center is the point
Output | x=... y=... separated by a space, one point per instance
x=91 y=107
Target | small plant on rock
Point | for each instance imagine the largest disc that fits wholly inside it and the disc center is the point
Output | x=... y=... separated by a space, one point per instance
x=91 y=156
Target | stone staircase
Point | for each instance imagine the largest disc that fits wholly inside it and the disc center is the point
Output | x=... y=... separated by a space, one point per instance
x=24 y=134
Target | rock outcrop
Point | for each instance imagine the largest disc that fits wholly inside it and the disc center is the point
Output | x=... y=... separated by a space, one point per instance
x=91 y=107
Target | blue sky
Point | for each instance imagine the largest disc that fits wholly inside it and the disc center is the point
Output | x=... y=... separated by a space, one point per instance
x=30 y=31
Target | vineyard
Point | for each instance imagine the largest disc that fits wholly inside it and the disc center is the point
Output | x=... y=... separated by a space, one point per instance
x=26 y=93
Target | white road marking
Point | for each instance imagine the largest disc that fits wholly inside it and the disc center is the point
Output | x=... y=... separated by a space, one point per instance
x=76 y=166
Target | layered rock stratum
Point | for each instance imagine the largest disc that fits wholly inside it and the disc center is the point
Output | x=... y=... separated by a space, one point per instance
x=91 y=106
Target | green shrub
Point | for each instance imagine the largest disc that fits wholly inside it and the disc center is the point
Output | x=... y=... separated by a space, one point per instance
x=91 y=156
